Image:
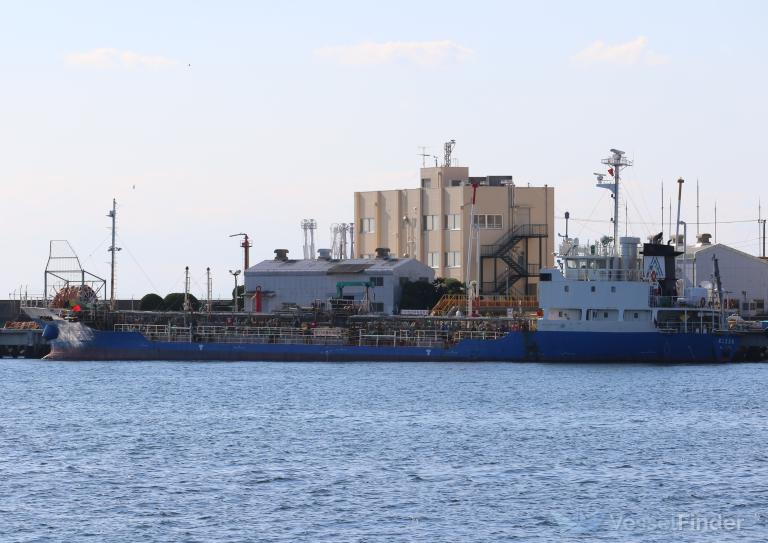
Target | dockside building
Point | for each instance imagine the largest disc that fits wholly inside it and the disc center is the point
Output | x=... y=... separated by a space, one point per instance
x=431 y=223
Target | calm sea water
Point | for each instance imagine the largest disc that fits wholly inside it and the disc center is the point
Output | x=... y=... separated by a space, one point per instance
x=368 y=452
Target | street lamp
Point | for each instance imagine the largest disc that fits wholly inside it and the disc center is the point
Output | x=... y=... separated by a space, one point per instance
x=234 y=301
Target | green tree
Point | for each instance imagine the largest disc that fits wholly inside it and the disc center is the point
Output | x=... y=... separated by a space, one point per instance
x=150 y=302
x=448 y=285
x=240 y=297
x=175 y=302
x=418 y=295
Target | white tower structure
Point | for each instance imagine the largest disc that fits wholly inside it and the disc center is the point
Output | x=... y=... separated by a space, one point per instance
x=341 y=240
x=112 y=214
x=309 y=226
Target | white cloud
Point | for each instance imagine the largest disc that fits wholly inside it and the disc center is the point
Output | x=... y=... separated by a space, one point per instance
x=107 y=57
x=422 y=53
x=624 y=54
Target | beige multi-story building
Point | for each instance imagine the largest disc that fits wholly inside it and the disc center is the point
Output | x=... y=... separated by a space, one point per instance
x=515 y=227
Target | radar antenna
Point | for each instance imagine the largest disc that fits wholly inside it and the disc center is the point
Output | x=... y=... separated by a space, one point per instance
x=448 y=149
x=616 y=162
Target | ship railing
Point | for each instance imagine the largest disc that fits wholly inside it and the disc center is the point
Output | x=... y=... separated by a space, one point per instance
x=478 y=334
x=270 y=334
x=404 y=338
x=693 y=326
x=676 y=301
x=26 y=300
x=158 y=332
x=607 y=275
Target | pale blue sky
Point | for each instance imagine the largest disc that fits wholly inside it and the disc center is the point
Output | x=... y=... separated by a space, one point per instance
x=248 y=116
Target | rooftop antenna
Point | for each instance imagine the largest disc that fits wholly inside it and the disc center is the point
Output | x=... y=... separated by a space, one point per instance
x=424 y=155
x=113 y=249
x=616 y=162
x=246 y=245
x=447 y=150
x=309 y=226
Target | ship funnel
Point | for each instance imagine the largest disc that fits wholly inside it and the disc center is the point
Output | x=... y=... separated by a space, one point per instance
x=629 y=252
x=281 y=254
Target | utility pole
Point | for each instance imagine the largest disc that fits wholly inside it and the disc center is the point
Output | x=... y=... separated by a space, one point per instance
x=113 y=249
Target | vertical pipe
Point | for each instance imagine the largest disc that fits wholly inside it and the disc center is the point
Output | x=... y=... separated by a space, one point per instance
x=208 y=288
x=616 y=165
x=662 y=210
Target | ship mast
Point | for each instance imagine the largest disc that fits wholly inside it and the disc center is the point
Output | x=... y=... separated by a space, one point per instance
x=616 y=163
x=112 y=249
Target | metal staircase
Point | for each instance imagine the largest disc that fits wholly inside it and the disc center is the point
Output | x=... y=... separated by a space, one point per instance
x=503 y=281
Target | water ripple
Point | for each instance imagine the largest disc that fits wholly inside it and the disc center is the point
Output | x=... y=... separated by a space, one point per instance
x=157 y=452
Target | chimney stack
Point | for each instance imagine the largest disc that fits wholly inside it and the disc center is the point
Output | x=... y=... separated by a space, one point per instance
x=281 y=254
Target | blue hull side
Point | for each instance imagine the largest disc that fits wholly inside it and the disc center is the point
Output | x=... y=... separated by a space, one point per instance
x=550 y=346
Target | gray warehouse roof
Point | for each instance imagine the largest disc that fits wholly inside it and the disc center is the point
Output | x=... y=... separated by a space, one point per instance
x=384 y=266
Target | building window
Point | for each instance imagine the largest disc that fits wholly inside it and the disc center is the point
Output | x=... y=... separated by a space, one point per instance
x=367 y=225
x=491 y=222
x=426 y=183
x=431 y=222
x=453 y=221
x=433 y=260
x=455 y=182
x=376 y=281
x=453 y=259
